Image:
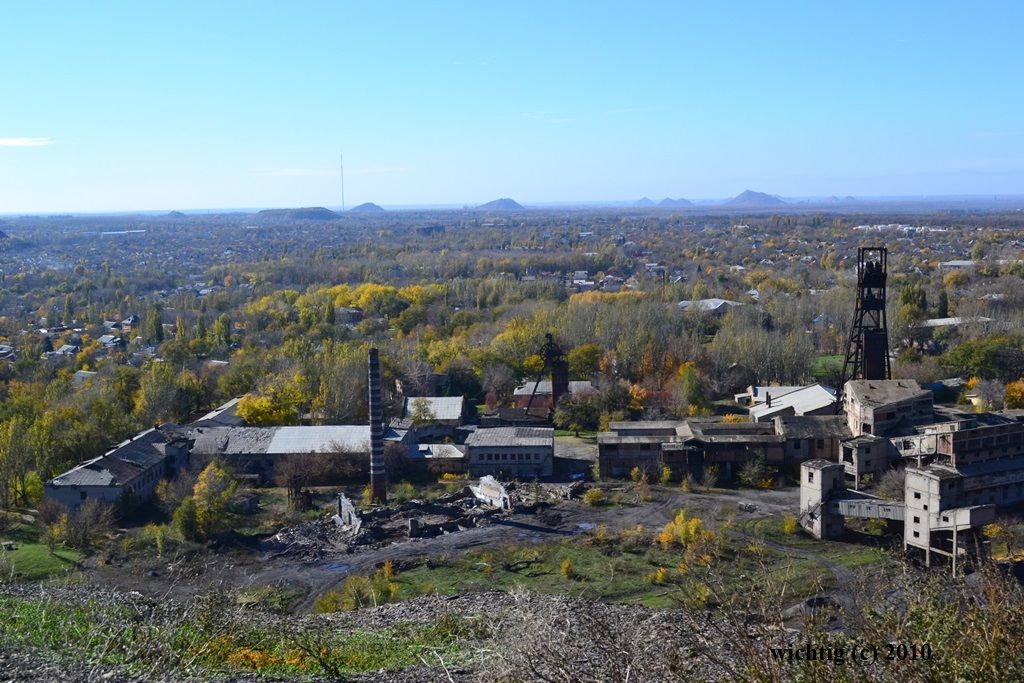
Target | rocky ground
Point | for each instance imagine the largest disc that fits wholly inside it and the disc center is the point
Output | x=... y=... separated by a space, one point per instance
x=530 y=636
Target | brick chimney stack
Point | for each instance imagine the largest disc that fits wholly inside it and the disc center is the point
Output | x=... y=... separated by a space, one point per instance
x=378 y=473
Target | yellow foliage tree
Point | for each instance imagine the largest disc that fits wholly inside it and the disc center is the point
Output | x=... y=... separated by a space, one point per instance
x=637 y=397
x=1015 y=394
x=212 y=492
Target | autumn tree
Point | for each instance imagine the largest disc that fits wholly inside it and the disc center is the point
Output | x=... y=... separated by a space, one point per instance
x=1014 y=398
x=212 y=492
x=584 y=360
x=421 y=412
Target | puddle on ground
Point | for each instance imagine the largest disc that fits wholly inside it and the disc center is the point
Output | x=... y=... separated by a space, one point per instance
x=340 y=567
x=586 y=526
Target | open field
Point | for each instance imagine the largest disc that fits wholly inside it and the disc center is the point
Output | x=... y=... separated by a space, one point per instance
x=31 y=559
x=611 y=551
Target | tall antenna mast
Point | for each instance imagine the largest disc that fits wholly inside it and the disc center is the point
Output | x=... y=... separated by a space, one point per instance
x=341 y=160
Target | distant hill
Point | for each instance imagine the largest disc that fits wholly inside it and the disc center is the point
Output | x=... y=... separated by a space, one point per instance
x=670 y=203
x=314 y=213
x=175 y=214
x=643 y=201
x=504 y=204
x=751 y=198
x=368 y=207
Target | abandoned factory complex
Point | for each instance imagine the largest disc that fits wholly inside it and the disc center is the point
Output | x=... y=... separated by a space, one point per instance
x=959 y=466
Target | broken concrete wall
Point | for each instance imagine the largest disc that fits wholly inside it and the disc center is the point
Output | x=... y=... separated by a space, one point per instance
x=348 y=515
x=490 y=491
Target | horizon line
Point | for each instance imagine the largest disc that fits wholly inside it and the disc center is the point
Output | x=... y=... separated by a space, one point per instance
x=698 y=203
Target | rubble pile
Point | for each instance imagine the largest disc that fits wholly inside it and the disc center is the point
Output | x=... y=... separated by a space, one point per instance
x=353 y=529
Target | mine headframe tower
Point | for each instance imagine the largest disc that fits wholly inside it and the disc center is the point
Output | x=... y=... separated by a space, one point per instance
x=867 y=352
x=558 y=367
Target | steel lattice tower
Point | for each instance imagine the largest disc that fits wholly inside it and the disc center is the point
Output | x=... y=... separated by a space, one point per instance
x=867 y=353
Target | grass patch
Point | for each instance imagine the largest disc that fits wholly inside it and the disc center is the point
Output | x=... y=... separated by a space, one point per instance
x=584 y=433
x=272 y=598
x=31 y=560
x=615 y=572
x=824 y=367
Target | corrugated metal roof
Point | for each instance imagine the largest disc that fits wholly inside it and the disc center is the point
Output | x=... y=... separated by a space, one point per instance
x=224 y=415
x=544 y=387
x=329 y=439
x=442 y=407
x=436 y=450
x=231 y=440
x=284 y=440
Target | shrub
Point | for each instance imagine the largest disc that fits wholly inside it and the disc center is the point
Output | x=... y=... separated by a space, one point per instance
x=158 y=533
x=49 y=511
x=593 y=497
x=710 y=478
x=184 y=520
x=754 y=472
x=666 y=476
x=643 y=489
x=567 y=570
x=636 y=473
x=92 y=519
x=403 y=491
x=991 y=530
x=789 y=524
x=658 y=576
x=358 y=592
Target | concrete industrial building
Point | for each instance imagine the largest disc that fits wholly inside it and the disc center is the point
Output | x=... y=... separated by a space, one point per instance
x=689 y=447
x=511 y=452
x=133 y=467
x=255 y=451
x=886 y=407
x=958 y=471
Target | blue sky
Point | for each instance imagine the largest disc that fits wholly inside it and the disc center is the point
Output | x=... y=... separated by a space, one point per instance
x=188 y=105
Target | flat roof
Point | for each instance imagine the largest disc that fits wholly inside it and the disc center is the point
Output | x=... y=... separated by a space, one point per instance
x=882 y=392
x=805 y=400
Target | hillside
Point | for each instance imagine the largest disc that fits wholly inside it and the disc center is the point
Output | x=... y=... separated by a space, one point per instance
x=670 y=203
x=503 y=204
x=749 y=198
x=368 y=207
x=644 y=201
x=314 y=213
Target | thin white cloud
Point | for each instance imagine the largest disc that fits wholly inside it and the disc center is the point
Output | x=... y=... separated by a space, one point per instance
x=26 y=142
